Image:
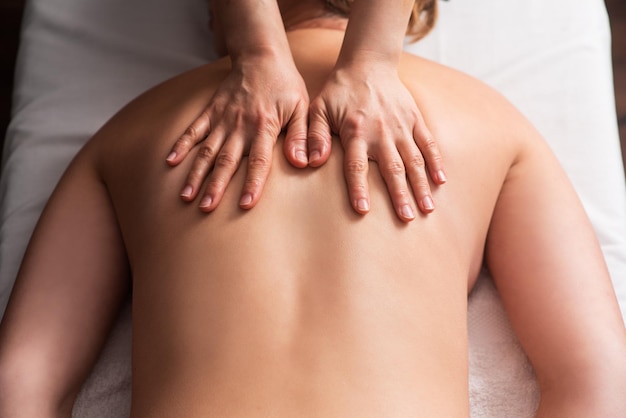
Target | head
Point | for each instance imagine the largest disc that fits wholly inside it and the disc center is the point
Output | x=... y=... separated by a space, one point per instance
x=422 y=20
x=294 y=12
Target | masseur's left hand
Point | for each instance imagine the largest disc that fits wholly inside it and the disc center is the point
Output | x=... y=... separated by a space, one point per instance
x=376 y=118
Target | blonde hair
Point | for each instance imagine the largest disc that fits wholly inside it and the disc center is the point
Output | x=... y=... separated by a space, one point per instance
x=422 y=20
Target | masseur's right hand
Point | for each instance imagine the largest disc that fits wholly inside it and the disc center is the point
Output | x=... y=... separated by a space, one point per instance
x=263 y=94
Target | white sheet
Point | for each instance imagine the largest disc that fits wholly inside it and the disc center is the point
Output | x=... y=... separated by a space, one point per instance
x=80 y=60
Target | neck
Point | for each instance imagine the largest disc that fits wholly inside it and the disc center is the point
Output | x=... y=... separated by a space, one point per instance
x=310 y=14
x=334 y=23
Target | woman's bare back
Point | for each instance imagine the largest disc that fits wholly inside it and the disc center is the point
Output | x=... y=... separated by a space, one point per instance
x=300 y=306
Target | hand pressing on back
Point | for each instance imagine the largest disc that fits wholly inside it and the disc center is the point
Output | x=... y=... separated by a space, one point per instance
x=376 y=118
x=363 y=102
x=261 y=96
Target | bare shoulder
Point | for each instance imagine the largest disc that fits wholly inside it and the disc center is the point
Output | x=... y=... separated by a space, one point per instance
x=128 y=154
x=151 y=122
x=453 y=87
x=467 y=116
x=436 y=86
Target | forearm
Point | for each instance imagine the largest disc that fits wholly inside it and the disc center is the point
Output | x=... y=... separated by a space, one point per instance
x=590 y=398
x=17 y=403
x=253 y=27
x=375 y=30
x=586 y=382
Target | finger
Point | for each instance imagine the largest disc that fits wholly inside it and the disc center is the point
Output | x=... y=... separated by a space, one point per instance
x=356 y=166
x=226 y=164
x=259 y=164
x=430 y=151
x=319 y=136
x=416 y=173
x=202 y=164
x=392 y=169
x=194 y=134
x=295 y=146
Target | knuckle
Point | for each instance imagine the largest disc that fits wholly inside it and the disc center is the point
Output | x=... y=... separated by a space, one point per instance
x=353 y=122
x=422 y=183
x=214 y=185
x=266 y=124
x=318 y=134
x=220 y=105
x=358 y=189
x=259 y=162
x=394 y=167
x=400 y=196
x=431 y=146
x=297 y=136
x=316 y=106
x=206 y=152
x=253 y=183
x=195 y=176
x=184 y=142
x=420 y=187
x=429 y=141
x=379 y=125
x=226 y=160
x=356 y=166
x=416 y=162
x=191 y=132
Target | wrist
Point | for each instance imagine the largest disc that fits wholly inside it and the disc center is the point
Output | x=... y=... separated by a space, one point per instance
x=376 y=31
x=365 y=67
x=252 y=28
x=261 y=52
x=265 y=64
x=383 y=51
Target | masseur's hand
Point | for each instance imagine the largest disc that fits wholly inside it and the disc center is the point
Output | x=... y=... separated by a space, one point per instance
x=376 y=119
x=262 y=95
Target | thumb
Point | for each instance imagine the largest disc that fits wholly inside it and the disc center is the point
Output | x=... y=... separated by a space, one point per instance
x=319 y=138
x=295 y=146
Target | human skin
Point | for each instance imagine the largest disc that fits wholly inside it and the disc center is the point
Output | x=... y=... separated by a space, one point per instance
x=264 y=93
x=303 y=307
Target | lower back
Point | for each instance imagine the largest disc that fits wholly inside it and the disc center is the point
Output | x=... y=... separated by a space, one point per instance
x=296 y=306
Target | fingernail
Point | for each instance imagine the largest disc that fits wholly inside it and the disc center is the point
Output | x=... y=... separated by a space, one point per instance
x=172 y=156
x=301 y=156
x=245 y=199
x=428 y=204
x=407 y=212
x=206 y=201
x=442 y=176
x=186 y=191
x=363 y=205
x=314 y=156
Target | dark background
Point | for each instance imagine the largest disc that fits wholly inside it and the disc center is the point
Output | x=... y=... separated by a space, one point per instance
x=11 y=16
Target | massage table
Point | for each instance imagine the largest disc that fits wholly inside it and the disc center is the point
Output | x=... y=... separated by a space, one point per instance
x=81 y=60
